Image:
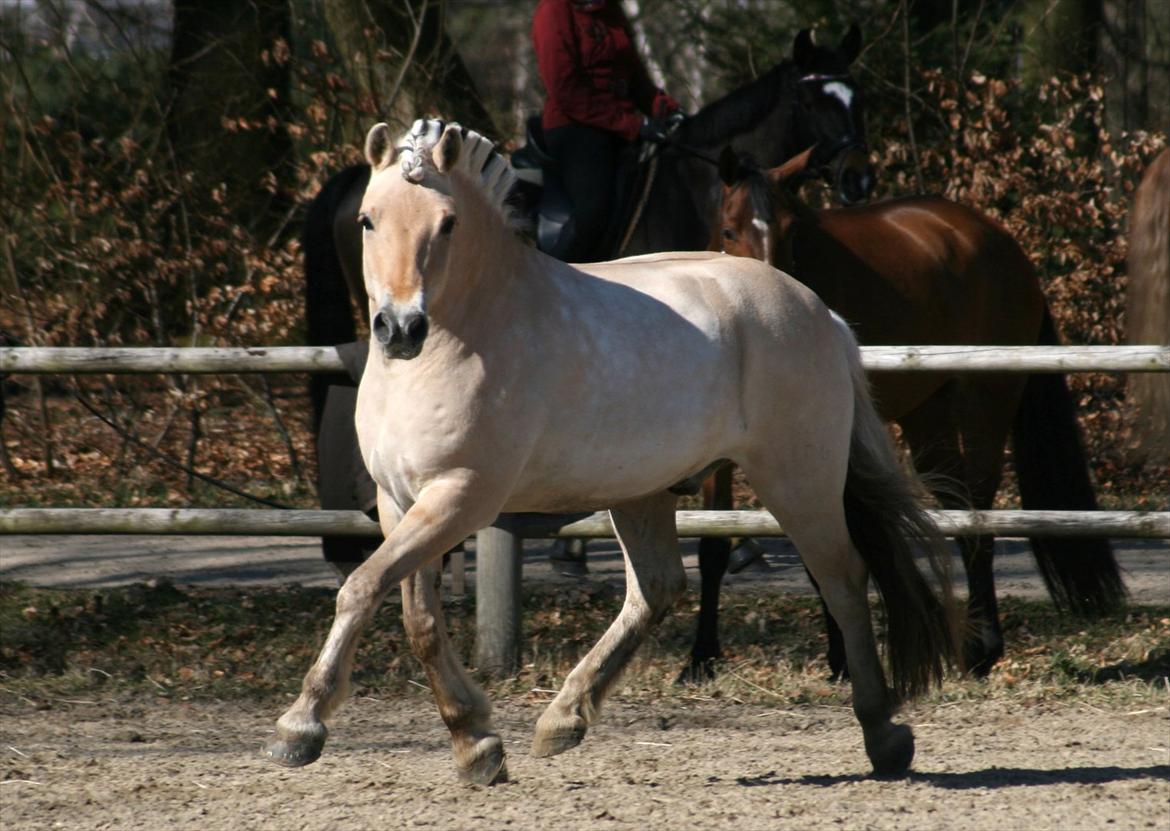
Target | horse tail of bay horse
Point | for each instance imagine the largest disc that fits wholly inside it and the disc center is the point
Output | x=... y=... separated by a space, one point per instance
x=329 y=317
x=889 y=526
x=1147 y=307
x=1053 y=473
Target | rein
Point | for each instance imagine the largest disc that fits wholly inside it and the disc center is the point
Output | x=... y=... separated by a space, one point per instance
x=649 y=183
x=637 y=215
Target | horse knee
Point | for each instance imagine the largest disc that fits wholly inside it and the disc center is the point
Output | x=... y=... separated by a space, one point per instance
x=354 y=599
x=662 y=596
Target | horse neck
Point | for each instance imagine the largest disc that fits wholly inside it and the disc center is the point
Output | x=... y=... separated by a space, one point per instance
x=483 y=264
x=679 y=213
x=802 y=241
x=758 y=116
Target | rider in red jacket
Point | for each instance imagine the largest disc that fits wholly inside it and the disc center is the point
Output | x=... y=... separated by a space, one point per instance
x=599 y=96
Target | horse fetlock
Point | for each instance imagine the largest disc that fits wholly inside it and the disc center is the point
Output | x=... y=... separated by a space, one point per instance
x=483 y=763
x=698 y=672
x=556 y=733
x=890 y=750
x=296 y=746
x=980 y=654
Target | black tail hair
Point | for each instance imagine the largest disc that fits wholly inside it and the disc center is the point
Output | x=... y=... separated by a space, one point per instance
x=1081 y=574
x=889 y=526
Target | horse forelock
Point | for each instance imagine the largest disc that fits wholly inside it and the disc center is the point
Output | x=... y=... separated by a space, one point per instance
x=760 y=195
x=478 y=161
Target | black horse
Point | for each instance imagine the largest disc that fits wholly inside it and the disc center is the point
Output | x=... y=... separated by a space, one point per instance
x=809 y=100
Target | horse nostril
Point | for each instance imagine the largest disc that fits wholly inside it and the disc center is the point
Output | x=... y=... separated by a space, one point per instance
x=385 y=329
x=382 y=328
x=415 y=328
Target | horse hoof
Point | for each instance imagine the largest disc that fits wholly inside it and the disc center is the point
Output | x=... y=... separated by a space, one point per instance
x=296 y=752
x=697 y=673
x=892 y=754
x=486 y=766
x=551 y=740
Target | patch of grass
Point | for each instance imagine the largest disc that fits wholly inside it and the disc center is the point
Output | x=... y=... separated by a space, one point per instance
x=225 y=643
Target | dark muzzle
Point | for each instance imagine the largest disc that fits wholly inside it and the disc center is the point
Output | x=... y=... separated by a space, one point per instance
x=400 y=338
x=845 y=165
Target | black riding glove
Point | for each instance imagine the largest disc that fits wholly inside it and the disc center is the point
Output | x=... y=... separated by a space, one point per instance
x=657 y=129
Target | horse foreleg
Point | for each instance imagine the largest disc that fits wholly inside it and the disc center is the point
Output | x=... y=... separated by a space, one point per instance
x=479 y=753
x=444 y=514
x=654 y=580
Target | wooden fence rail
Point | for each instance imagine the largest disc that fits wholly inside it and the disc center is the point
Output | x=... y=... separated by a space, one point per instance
x=199 y=360
x=498 y=549
x=313 y=523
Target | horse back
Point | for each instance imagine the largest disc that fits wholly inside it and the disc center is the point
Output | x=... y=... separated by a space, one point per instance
x=922 y=270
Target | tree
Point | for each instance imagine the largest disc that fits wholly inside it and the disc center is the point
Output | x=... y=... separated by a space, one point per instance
x=229 y=88
x=403 y=62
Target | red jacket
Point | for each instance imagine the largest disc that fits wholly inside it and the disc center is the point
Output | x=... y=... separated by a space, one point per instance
x=591 y=69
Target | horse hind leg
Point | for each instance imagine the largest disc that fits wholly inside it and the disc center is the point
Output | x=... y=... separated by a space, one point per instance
x=932 y=431
x=821 y=535
x=714 y=556
x=654 y=581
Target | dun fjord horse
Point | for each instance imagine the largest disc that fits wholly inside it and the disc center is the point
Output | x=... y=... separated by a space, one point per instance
x=476 y=339
x=923 y=270
x=1147 y=309
x=808 y=100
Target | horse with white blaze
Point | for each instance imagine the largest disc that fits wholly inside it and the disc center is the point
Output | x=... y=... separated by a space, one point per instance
x=479 y=338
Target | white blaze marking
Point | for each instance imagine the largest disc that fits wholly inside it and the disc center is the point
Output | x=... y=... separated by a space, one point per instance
x=765 y=235
x=840 y=91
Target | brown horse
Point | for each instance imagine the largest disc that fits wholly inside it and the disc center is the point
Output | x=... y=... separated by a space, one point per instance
x=924 y=270
x=1148 y=305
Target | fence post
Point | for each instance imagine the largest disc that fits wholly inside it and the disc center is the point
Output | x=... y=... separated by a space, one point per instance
x=498 y=555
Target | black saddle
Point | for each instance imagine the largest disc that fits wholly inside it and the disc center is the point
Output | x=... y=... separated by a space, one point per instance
x=542 y=197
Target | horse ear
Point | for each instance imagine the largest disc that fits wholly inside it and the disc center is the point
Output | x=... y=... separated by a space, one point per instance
x=791 y=170
x=803 y=48
x=850 y=46
x=730 y=170
x=379 y=146
x=446 y=151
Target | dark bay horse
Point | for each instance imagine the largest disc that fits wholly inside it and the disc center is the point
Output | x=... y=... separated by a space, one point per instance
x=925 y=270
x=809 y=100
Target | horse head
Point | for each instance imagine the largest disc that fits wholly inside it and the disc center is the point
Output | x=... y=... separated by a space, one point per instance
x=418 y=204
x=760 y=207
x=830 y=114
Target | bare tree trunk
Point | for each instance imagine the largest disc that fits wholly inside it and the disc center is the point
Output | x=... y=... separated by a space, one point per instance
x=229 y=81
x=1135 y=59
x=400 y=57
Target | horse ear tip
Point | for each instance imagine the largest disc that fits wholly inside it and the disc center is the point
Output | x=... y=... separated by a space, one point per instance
x=377 y=144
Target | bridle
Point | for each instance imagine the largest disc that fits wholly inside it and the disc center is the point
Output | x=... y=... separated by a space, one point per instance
x=828 y=160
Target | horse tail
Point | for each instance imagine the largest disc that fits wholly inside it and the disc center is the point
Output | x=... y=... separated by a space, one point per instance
x=1147 y=309
x=1081 y=574
x=329 y=318
x=888 y=526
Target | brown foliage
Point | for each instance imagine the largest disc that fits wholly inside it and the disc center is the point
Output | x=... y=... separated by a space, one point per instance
x=1042 y=163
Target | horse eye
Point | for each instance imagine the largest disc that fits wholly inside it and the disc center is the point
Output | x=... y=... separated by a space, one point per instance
x=447 y=225
x=365 y=221
x=729 y=235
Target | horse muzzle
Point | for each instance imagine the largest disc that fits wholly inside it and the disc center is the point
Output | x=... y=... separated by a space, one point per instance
x=855 y=176
x=400 y=337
